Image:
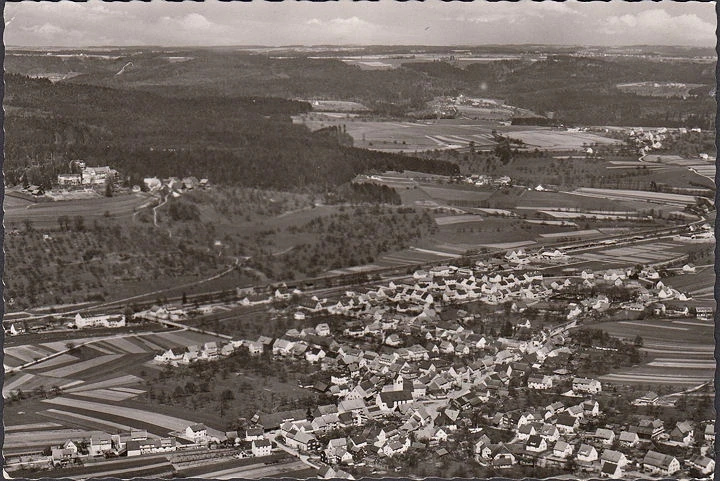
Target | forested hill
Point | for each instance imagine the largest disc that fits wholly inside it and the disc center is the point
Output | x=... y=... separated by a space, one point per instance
x=584 y=90
x=234 y=140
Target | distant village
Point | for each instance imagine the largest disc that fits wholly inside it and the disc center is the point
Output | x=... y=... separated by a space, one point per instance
x=86 y=179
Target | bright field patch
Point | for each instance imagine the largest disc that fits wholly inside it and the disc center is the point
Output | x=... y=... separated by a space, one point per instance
x=161 y=420
x=79 y=367
x=558 y=139
x=106 y=395
x=457 y=219
x=448 y=194
x=45 y=214
x=114 y=382
x=55 y=361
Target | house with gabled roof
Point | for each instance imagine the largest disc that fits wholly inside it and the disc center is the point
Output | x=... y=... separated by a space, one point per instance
x=525 y=431
x=536 y=444
x=605 y=436
x=585 y=385
x=703 y=464
x=683 y=433
x=562 y=449
x=587 y=453
x=612 y=456
x=611 y=470
x=629 y=439
x=542 y=383
x=658 y=463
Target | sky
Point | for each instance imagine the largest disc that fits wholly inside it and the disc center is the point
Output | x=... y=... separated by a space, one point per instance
x=346 y=22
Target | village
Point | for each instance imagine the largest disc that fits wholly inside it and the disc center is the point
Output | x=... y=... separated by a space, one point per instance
x=85 y=181
x=419 y=368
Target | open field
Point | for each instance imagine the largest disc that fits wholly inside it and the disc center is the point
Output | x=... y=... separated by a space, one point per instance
x=456 y=193
x=679 y=351
x=258 y=471
x=706 y=168
x=550 y=139
x=409 y=136
x=658 y=89
x=442 y=134
x=678 y=200
x=163 y=421
x=458 y=219
x=637 y=254
x=700 y=285
x=336 y=106
x=45 y=214
x=102 y=363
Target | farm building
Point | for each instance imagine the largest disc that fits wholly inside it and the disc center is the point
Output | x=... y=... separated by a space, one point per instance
x=99 y=321
x=69 y=179
x=97 y=175
x=582 y=384
x=150 y=446
x=659 y=463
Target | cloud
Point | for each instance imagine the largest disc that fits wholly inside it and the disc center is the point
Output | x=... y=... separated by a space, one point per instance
x=659 y=24
x=342 y=29
x=191 y=21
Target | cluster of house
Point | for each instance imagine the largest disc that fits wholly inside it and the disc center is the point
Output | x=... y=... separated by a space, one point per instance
x=209 y=351
x=701 y=234
x=138 y=442
x=648 y=140
x=88 y=176
x=173 y=184
x=78 y=322
x=417 y=395
x=486 y=180
x=377 y=421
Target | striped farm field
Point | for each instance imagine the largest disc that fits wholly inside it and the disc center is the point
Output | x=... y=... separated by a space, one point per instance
x=31 y=427
x=458 y=219
x=448 y=194
x=81 y=366
x=677 y=351
x=148 y=343
x=120 y=381
x=53 y=362
x=124 y=345
x=28 y=353
x=83 y=421
x=106 y=395
x=161 y=420
x=12 y=361
x=19 y=441
x=642 y=195
x=101 y=349
x=16 y=383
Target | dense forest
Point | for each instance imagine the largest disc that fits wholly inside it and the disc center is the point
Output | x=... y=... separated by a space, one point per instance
x=580 y=90
x=243 y=141
x=583 y=90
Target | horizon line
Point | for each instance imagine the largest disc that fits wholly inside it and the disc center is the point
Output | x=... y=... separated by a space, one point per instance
x=9 y=46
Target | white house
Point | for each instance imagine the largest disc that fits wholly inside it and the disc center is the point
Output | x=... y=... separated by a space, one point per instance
x=261 y=447
x=658 y=463
x=587 y=453
x=536 y=382
x=99 y=321
x=583 y=384
x=197 y=433
x=100 y=443
x=562 y=449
